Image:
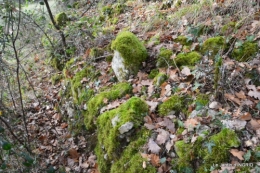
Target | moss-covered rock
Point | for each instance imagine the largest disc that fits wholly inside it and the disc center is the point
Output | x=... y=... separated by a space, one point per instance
x=61 y=19
x=164 y=58
x=214 y=45
x=132 y=53
x=121 y=147
x=174 y=103
x=160 y=78
x=246 y=51
x=211 y=151
x=187 y=59
x=97 y=102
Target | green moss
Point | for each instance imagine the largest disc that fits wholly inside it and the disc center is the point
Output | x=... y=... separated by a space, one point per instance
x=174 y=103
x=160 y=78
x=202 y=99
x=57 y=62
x=97 y=102
x=131 y=49
x=223 y=142
x=217 y=66
x=187 y=59
x=183 y=40
x=254 y=75
x=214 y=45
x=164 y=58
x=107 y=10
x=118 y=8
x=61 y=19
x=76 y=85
x=56 y=78
x=228 y=28
x=109 y=137
x=96 y=52
x=245 y=52
x=210 y=151
x=153 y=73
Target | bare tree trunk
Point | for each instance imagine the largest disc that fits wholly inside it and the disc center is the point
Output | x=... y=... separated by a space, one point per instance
x=55 y=24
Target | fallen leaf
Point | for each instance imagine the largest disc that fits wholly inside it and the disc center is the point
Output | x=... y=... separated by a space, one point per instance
x=73 y=153
x=237 y=153
x=149 y=126
x=214 y=105
x=153 y=147
x=155 y=160
x=240 y=95
x=246 y=116
x=191 y=123
x=168 y=124
x=232 y=98
x=254 y=124
x=162 y=137
x=253 y=92
x=169 y=145
x=186 y=71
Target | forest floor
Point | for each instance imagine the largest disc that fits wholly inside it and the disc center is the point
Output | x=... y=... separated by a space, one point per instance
x=232 y=91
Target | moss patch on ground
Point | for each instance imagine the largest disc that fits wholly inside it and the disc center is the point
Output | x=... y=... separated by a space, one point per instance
x=175 y=103
x=160 y=78
x=117 y=147
x=97 y=102
x=164 y=58
x=131 y=49
x=187 y=59
x=214 y=45
x=211 y=151
x=246 y=51
x=61 y=19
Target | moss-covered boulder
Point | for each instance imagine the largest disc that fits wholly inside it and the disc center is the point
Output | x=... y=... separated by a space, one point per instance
x=211 y=151
x=175 y=103
x=187 y=59
x=164 y=58
x=96 y=103
x=246 y=51
x=213 y=46
x=120 y=138
x=61 y=19
x=129 y=55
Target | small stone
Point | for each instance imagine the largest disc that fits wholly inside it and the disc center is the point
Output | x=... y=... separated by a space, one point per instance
x=126 y=127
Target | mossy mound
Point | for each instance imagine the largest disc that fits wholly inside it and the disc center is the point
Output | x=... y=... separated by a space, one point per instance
x=131 y=49
x=212 y=151
x=164 y=58
x=56 y=78
x=97 y=102
x=187 y=59
x=117 y=146
x=228 y=28
x=246 y=51
x=57 y=62
x=174 y=103
x=61 y=19
x=214 y=45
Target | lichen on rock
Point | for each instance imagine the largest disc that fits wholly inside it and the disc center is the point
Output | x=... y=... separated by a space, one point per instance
x=130 y=52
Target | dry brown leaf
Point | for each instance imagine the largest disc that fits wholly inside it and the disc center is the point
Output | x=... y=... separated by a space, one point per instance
x=149 y=126
x=169 y=145
x=152 y=105
x=191 y=123
x=73 y=153
x=162 y=137
x=240 y=95
x=232 y=98
x=168 y=124
x=147 y=82
x=246 y=116
x=153 y=147
x=237 y=153
x=254 y=124
x=155 y=160
x=253 y=91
